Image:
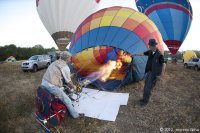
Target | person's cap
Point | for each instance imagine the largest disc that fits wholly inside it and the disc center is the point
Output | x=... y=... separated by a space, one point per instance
x=152 y=42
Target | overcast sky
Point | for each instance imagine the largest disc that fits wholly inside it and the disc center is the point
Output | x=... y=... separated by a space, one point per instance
x=21 y=25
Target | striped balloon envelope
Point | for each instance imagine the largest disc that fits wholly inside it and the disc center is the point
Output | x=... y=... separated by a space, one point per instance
x=113 y=34
x=172 y=17
x=89 y=62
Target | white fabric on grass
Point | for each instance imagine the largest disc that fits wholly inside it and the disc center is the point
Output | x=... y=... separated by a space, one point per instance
x=100 y=104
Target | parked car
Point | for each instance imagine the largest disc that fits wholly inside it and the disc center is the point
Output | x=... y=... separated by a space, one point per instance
x=193 y=63
x=36 y=62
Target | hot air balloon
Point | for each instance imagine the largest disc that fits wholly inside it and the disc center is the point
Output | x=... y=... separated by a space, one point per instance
x=62 y=17
x=106 y=39
x=189 y=54
x=172 y=17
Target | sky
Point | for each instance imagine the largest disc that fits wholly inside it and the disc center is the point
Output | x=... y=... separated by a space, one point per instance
x=20 y=24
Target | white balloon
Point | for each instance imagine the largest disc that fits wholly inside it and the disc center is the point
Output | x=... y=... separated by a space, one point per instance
x=62 y=17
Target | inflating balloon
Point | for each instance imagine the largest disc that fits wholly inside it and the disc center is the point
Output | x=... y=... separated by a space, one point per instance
x=172 y=17
x=62 y=17
x=109 y=37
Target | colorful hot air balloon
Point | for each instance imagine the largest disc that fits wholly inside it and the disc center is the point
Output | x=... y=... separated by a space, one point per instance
x=62 y=17
x=172 y=17
x=112 y=34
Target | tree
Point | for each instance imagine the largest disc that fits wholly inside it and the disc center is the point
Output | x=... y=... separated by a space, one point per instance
x=198 y=54
x=53 y=49
x=38 y=46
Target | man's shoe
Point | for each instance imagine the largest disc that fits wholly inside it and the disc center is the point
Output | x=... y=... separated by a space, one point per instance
x=143 y=102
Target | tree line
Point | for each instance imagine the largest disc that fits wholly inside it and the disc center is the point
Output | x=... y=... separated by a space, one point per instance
x=22 y=53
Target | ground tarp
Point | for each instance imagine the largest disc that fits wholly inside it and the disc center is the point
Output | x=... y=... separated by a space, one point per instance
x=100 y=104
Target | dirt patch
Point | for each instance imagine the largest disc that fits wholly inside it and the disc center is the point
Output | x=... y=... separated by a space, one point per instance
x=174 y=104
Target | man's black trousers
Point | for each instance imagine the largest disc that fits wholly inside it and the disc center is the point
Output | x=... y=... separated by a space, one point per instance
x=150 y=82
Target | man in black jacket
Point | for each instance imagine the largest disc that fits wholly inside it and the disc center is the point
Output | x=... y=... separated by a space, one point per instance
x=154 y=71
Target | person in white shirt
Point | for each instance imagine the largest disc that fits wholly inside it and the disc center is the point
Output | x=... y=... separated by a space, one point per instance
x=53 y=81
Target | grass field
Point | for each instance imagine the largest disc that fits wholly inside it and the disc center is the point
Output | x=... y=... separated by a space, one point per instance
x=175 y=104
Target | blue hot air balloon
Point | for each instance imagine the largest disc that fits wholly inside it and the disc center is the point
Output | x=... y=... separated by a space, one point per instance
x=172 y=17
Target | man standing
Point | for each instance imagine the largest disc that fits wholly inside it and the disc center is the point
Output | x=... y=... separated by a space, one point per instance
x=53 y=80
x=154 y=71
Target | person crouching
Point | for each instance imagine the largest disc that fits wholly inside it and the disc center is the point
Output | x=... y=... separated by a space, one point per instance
x=53 y=81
